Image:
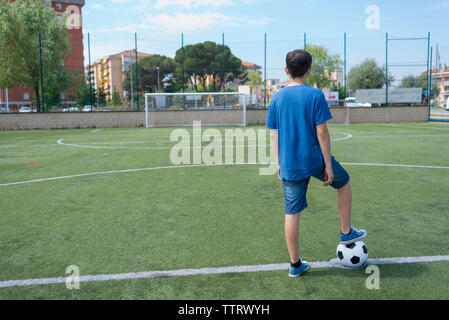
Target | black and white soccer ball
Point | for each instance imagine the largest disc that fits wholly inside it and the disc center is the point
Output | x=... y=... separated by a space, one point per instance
x=352 y=255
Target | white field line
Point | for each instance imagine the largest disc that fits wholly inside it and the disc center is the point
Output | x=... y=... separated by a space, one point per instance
x=89 y=146
x=394 y=165
x=207 y=271
x=208 y=165
x=80 y=145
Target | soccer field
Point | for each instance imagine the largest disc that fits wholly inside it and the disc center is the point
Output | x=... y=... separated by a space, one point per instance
x=111 y=202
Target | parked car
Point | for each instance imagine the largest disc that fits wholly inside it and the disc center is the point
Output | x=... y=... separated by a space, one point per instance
x=87 y=109
x=447 y=105
x=351 y=103
x=2 y=109
x=25 y=110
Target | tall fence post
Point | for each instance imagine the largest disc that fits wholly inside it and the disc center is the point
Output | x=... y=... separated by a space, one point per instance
x=223 y=64
x=428 y=86
x=42 y=102
x=344 y=77
x=386 y=69
x=265 y=74
x=137 y=74
x=90 y=75
x=182 y=58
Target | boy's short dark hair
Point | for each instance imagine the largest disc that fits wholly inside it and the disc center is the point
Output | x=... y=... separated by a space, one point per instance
x=298 y=62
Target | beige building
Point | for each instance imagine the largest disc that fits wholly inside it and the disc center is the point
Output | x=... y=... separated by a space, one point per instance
x=442 y=81
x=108 y=73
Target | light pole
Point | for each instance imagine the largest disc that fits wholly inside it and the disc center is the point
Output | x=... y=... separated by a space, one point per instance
x=158 y=81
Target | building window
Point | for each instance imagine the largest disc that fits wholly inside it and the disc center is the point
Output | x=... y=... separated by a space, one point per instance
x=26 y=96
x=59 y=6
x=62 y=62
x=59 y=17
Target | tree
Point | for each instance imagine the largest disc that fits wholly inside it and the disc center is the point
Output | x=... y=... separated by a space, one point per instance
x=254 y=80
x=323 y=65
x=116 y=100
x=148 y=72
x=420 y=81
x=83 y=95
x=203 y=64
x=367 y=75
x=21 y=23
x=341 y=91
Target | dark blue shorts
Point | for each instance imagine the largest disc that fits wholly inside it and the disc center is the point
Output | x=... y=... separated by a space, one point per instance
x=295 y=191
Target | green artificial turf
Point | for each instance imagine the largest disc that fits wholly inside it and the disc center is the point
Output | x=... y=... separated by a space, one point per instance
x=216 y=216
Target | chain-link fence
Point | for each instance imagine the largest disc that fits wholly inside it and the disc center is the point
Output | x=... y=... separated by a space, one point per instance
x=115 y=82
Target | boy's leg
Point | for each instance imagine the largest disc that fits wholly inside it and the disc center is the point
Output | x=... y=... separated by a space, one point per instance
x=292 y=235
x=344 y=202
x=295 y=203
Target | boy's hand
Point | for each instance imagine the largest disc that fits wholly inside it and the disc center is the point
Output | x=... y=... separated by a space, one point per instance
x=279 y=172
x=328 y=176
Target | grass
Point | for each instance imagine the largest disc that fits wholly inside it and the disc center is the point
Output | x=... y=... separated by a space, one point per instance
x=215 y=216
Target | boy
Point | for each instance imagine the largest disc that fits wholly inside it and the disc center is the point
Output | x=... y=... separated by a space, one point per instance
x=300 y=139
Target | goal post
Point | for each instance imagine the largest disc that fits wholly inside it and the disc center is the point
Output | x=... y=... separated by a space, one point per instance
x=211 y=108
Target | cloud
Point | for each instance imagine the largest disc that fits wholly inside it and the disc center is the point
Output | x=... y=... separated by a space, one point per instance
x=183 y=22
x=192 y=3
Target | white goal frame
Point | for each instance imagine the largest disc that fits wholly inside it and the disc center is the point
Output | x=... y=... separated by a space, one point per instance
x=147 y=95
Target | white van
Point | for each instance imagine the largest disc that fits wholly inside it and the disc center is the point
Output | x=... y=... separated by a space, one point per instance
x=351 y=103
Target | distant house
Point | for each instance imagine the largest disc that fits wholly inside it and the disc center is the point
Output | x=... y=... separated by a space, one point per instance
x=252 y=67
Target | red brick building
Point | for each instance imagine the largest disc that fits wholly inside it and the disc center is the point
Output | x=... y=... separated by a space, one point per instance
x=18 y=97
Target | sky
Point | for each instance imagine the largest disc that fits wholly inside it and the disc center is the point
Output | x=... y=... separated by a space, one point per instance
x=160 y=23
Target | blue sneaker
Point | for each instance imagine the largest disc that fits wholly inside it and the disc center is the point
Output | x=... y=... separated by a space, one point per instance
x=296 y=272
x=352 y=237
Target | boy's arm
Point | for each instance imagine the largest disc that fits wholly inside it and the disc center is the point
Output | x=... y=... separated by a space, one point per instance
x=325 y=144
x=275 y=145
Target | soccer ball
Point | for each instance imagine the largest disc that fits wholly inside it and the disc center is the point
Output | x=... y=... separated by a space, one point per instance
x=352 y=255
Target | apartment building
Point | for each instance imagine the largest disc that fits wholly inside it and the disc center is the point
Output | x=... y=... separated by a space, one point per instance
x=108 y=73
x=18 y=97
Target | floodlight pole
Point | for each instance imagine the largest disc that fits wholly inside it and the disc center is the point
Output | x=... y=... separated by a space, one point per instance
x=305 y=40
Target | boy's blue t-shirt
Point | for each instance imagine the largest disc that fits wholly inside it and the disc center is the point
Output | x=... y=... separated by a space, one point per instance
x=295 y=112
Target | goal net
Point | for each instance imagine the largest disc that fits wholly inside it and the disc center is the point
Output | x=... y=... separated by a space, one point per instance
x=181 y=109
